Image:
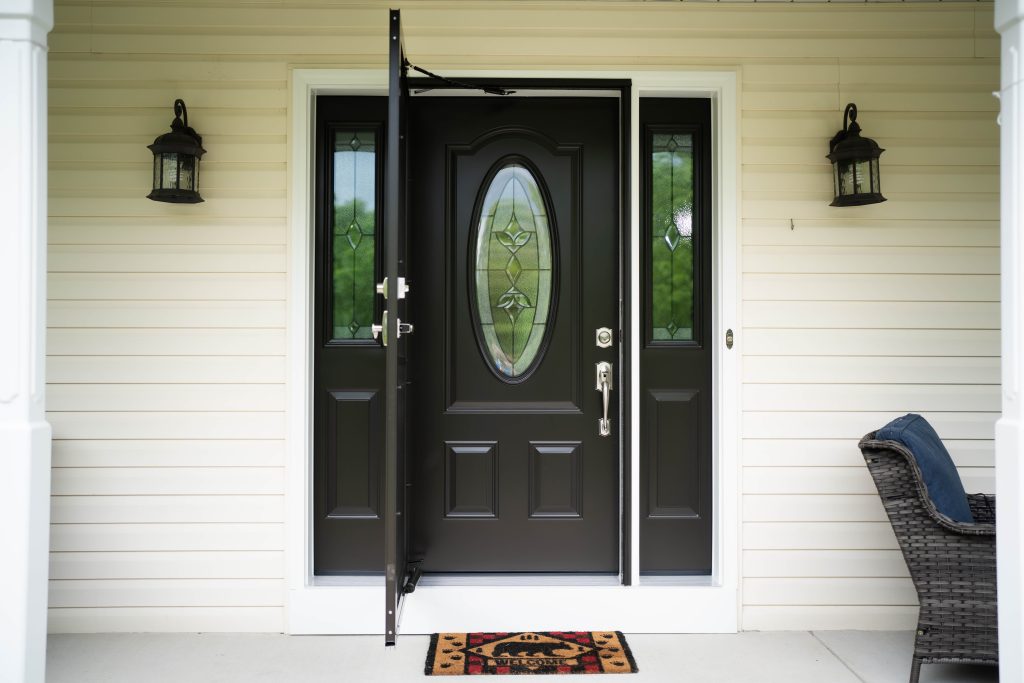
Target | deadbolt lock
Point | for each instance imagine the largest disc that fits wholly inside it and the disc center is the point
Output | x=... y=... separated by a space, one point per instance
x=403 y=288
x=604 y=337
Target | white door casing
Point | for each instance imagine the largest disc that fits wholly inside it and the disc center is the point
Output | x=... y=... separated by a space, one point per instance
x=702 y=604
x=1009 y=21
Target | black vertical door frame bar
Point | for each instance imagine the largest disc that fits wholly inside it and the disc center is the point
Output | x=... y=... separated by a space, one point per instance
x=626 y=333
x=394 y=211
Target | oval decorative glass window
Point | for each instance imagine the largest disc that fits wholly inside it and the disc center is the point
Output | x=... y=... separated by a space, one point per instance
x=513 y=271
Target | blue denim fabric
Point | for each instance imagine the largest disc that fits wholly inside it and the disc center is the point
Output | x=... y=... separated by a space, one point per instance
x=937 y=468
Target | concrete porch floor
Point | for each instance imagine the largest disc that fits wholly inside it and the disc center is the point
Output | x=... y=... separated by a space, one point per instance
x=790 y=657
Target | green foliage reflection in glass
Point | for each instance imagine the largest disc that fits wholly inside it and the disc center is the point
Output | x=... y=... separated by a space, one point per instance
x=353 y=252
x=672 y=237
x=513 y=270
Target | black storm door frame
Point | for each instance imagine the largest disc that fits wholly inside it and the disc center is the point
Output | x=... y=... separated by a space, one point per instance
x=393 y=288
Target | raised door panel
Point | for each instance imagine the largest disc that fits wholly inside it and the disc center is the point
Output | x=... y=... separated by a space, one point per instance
x=673 y=477
x=556 y=479
x=353 y=462
x=471 y=479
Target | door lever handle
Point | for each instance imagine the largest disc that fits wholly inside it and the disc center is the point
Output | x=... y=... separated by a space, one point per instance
x=604 y=385
x=382 y=329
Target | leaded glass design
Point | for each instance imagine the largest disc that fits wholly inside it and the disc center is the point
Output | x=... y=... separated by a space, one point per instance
x=513 y=273
x=354 y=228
x=672 y=226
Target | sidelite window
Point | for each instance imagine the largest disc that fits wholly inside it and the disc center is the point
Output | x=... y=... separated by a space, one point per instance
x=676 y=354
x=513 y=270
x=672 y=230
x=348 y=364
x=353 y=233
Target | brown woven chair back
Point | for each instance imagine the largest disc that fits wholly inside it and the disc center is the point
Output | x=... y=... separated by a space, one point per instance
x=952 y=565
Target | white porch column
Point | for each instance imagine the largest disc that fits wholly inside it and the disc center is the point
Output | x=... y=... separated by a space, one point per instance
x=24 y=432
x=1010 y=428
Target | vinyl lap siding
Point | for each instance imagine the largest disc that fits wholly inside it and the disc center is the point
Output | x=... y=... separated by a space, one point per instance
x=167 y=340
x=167 y=345
x=852 y=317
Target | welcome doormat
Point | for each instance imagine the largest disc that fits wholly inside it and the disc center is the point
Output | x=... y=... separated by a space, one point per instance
x=529 y=652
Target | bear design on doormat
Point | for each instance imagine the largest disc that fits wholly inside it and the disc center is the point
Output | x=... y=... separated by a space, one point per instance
x=532 y=649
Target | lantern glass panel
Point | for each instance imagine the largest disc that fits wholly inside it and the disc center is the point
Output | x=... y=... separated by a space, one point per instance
x=186 y=179
x=169 y=178
x=157 y=168
x=876 y=185
x=835 y=178
x=863 y=177
x=845 y=178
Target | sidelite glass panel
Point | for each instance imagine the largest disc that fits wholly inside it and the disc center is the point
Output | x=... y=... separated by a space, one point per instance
x=354 y=229
x=513 y=272
x=672 y=226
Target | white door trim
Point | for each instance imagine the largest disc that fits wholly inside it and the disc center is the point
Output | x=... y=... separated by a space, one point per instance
x=1009 y=21
x=708 y=605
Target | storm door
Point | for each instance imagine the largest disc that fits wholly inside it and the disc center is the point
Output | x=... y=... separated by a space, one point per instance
x=394 y=330
x=361 y=333
x=515 y=430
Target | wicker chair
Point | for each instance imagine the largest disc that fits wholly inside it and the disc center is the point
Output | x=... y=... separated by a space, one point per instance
x=952 y=564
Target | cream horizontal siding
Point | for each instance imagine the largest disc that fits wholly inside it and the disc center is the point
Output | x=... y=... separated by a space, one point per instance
x=167 y=323
x=167 y=346
x=849 y=322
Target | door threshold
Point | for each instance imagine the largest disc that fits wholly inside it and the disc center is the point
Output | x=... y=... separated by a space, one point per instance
x=520 y=579
x=676 y=580
x=373 y=579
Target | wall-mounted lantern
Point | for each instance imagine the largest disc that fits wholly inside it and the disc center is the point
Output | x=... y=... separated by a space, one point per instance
x=176 y=158
x=854 y=164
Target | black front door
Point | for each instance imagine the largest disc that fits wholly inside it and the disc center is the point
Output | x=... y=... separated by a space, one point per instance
x=514 y=216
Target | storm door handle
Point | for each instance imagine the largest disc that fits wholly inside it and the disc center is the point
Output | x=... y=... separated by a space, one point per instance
x=381 y=330
x=604 y=385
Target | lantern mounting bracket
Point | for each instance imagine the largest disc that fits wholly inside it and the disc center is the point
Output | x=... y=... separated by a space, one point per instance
x=850 y=126
x=181 y=120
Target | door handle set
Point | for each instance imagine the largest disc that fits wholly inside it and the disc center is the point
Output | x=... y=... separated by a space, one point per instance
x=381 y=331
x=604 y=385
x=604 y=339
